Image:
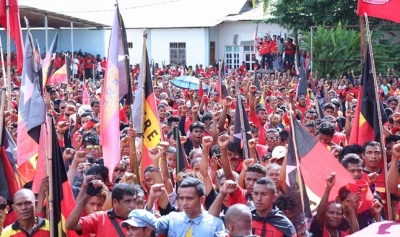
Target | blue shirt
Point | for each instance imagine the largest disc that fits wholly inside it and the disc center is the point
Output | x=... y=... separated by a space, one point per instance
x=178 y=223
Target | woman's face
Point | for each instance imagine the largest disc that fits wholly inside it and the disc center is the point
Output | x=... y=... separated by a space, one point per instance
x=333 y=215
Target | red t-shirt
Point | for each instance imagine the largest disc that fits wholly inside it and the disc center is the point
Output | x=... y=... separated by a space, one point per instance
x=339 y=137
x=256 y=121
x=100 y=224
x=239 y=196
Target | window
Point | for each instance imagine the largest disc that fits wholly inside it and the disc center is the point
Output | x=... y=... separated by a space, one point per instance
x=177 y=53
x=232 y=56
x=248 y=56
x=130 y=45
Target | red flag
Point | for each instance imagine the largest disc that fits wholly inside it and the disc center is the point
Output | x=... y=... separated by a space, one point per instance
x=385 y=9
x=59 y=76
x=15 y=28
x=366 y=125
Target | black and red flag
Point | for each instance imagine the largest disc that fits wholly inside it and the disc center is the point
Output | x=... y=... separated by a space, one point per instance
x=10 y=182
x=47 y=66
x=385 y=9
x=316 y=164
x=366 y=126
x=63 y=199
x=241 y=129
x=180 y=156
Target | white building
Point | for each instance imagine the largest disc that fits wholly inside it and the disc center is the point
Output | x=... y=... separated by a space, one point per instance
x=178 y=31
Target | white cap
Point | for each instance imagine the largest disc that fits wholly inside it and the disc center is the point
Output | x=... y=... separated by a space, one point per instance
x=278 y=152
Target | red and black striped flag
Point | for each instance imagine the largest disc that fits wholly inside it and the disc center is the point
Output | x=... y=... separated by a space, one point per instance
x=366 y=125
x=63 y=199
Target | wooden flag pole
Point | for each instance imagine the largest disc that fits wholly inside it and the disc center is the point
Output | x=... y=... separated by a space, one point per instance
x=299 y=178
x=8 y=56
x=382 y=139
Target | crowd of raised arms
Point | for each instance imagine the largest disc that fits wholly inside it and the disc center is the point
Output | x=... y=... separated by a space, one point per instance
x=220 y=192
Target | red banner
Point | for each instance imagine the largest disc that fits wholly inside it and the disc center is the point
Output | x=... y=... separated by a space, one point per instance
x=384 y=9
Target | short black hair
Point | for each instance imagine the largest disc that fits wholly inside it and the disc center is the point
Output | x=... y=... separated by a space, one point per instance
x=257 y=168
x=98 y=169
x=149 y=168
x=391 y=99
x=329 y=106
x=195 y=183
x=370 y=143
x=284 y=135
x=327 y=128
x=234 y=147
x=285 y=202
x=392 y=138
x=255 y=130
x=197 y=125
x=122 y=189
x=172 y=119
x=351 y=159
x=206 y=116
x=94 y=102
x=267 y=181
x=356 y=149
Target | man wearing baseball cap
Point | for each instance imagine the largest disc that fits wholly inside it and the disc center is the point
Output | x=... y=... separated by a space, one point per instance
x=140 y=223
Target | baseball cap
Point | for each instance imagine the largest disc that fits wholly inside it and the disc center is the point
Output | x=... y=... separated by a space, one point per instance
x=278 y=152
x=140 y=218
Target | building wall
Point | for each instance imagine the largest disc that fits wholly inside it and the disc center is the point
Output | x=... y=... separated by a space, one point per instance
x=195 y=44
x=91 y=41
x=214 y=36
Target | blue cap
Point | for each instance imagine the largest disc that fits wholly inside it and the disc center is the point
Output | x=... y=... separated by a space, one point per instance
x=140 y=218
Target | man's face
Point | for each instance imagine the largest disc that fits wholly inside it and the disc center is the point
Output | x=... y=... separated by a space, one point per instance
x=148 y=180
x=161 y=113
x=393 y=105
x=328 y=111
x=311 y=130
x=389 y=147
x=372 y=156
x=96 y=108
x=132 y=231
x=24 y=206
x=272 y=140
x=308 y=117
x=355 y=170
x=197 y=134
x=263 y=197
x=250 y=179
x=171 y=160
x=95 y=204
x=262 y=116
x=326 y=139
x=123 y=207
x=189 y=200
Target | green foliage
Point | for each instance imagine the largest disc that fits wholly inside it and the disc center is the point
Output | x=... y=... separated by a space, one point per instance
x=337 y=50
x=302 y=14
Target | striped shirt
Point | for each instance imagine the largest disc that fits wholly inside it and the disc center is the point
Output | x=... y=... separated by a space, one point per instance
x=41 y=230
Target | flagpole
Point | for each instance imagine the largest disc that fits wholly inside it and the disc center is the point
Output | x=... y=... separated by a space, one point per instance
x=50 y=173
x=2 y=103
x=2 y=63
x=245 y=146
x=382 y=139
x=144 y=71
x=8 y=55
x=300 y=180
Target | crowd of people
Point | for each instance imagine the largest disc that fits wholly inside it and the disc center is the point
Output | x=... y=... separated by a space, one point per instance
x=220 y=192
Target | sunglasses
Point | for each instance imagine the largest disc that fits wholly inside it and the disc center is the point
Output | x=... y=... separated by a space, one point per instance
x=63 y=107
x=3 y=206
x=270 y=139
